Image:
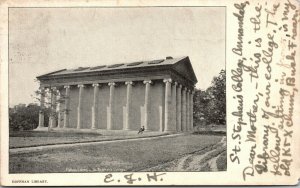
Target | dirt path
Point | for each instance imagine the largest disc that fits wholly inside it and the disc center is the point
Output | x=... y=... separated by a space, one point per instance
x=202 y=160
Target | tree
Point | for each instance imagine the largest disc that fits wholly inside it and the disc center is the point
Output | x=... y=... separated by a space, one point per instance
x=218 y=102
x=210 y=104
x=49 y=105
x=23 y=117
x=200 y=105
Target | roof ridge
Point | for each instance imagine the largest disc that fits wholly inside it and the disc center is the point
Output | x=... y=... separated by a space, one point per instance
x=131 y=62
x=118 y=66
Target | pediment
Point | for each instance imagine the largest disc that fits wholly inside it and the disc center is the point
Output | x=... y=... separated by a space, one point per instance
x=184 y=68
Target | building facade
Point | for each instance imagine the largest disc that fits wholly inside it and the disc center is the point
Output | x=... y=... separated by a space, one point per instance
x=155 y=94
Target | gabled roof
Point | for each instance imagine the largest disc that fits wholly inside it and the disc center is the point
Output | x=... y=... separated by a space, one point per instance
x=184 y=68
x=182 y=65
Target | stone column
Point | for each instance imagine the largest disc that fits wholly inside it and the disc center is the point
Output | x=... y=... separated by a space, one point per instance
x=174 y=106
x=188 y=110
x=183 y=114
x=129 y=112
x=168 y=104
x=110 y=114
x=67 y=107
x=192 y=110
x=52 y=119
x=95 y=107
x=59 y=112
x=147 y=103
x=79 y=108
x=178 y=108
x=42 y=106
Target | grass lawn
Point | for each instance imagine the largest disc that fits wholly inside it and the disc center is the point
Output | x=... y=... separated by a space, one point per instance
x=38 y=138
x=221 y=162
x=109 y=157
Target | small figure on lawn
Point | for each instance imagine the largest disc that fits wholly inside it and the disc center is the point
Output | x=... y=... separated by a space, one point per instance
x=141 y=130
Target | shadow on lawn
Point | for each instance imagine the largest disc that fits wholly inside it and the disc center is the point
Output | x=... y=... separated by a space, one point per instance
x=213 y=129
x=209 y=132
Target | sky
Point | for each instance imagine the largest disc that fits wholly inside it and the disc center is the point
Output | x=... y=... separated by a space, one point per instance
x=43 y=40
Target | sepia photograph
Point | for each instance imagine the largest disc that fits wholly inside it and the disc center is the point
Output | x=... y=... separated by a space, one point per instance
x=117 y=89
x=149 y=93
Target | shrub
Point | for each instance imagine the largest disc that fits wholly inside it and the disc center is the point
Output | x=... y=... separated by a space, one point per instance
x=22 y=117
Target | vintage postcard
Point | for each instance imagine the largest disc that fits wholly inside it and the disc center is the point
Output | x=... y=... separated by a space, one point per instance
x=132 y=93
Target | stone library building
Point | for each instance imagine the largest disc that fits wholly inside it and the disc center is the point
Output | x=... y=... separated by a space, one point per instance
x=156 y=95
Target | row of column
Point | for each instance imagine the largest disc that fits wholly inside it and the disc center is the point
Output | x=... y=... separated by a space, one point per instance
x=178 y=107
